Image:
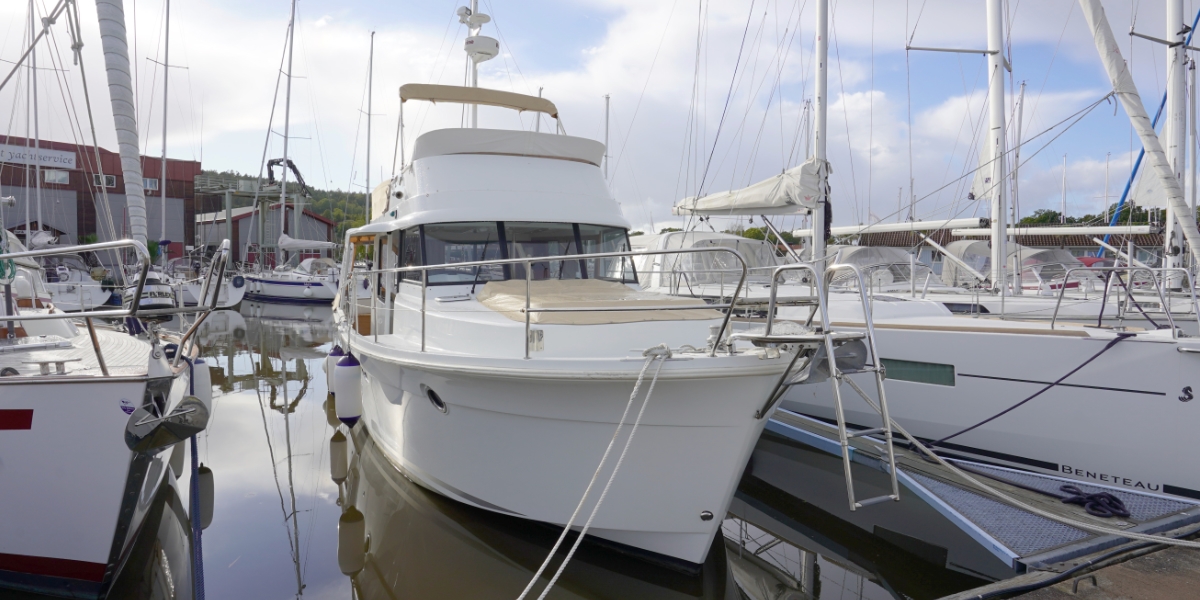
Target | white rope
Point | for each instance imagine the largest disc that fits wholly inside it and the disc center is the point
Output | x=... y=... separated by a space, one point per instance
x=1133 y=535
x=661 y=351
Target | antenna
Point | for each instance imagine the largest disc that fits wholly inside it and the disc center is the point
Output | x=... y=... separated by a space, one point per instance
x=479 y=48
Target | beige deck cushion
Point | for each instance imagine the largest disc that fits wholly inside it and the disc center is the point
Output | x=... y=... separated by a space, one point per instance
x=508 y=299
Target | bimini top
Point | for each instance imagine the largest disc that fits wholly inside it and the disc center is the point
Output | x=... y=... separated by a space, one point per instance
x=503 y=142
x=474 y=95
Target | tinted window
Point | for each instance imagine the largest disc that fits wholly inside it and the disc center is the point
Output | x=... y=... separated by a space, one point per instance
x=410 y=255
x=595 y=239
x=530 y=240
x=447 y=243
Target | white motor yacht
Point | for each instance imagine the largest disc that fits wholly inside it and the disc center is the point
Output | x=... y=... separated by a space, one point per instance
x=495 y=365
x=85 y=412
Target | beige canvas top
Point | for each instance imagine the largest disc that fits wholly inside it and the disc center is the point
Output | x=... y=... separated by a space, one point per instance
x=508 y=299
x=471 y=95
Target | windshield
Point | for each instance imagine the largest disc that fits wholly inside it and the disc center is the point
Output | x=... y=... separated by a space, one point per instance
x=723 y=267
x=448 y=243
x=882 y=266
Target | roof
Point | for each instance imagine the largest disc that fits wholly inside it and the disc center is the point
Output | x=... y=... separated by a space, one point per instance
x=245 y=211
x=502 y=142
x=474 y=95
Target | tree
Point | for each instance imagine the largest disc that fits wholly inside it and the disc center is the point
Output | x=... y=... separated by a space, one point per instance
x=669 y=229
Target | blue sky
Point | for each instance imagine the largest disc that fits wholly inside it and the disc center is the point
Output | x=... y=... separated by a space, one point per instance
x=643 y=53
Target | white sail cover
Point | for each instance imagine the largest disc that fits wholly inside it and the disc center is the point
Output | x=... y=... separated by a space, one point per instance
x=1126 y=92
x=793 y=191
x=379 y=199
x=291 y=244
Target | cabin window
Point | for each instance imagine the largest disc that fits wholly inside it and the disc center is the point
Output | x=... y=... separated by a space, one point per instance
x=410 y=255
x=919 y=372
x=531 y=240
x=596 y=239
x=447 y=243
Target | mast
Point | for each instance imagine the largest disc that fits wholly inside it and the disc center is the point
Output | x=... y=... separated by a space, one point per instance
x=478 y=48
x=1062 y=216
x=1017 y=158
x=606 y=99
x=37 y=135
x=287 y=121
x=819 y=129
x=28 y=122
x=162 y=183
x=370 y=83
x=996 y=143
x=1175 y=132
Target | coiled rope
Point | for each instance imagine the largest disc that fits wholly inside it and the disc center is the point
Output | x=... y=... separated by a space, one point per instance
x=658 y=353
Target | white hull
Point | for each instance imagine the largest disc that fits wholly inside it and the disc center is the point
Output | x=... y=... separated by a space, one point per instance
x=74 y=297
x=508 y=434
x=270 y=289
x=1118 y=421
x=229 y=297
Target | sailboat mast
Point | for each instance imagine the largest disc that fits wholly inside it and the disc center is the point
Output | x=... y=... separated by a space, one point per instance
x=1175 y=131
x=370 y=84
x=162 y=183
x=996 y=142
x=1062 y=215
x=37 y=135
x=819 y=129
x=28 y=125
x=287 y=121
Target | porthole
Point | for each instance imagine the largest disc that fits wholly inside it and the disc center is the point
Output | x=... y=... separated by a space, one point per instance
x=436 y=400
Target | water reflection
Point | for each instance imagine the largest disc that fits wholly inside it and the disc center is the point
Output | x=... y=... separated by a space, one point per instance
x=275 y=533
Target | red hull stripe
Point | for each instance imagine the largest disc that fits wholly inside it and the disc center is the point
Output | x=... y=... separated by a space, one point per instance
x=16 y=419
x=52 y=567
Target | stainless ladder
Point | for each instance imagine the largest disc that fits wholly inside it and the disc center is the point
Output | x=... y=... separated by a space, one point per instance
x=827 y=342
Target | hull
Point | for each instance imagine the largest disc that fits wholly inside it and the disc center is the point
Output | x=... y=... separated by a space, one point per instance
x=230 y=297
x=74 y=297
x=1116 y=421
x=267 y=289
x=74 y=495
x=528 y=446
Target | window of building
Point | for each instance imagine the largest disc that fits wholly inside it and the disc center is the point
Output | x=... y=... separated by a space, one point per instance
x=109 y=181
x=149 y=184
x=56 y=176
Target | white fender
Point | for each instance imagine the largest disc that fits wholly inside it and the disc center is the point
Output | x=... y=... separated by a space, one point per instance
x=177 y=456
x=202 y=384
x=352 y=541
x=331 y=361
x=207 y=492
x=338 y=463
x=347 y=390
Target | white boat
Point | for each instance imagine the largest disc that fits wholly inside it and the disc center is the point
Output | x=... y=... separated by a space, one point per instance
x=73 y=285
x=314 y=280
x=232 y=290
x=158 y=293
x=94 y=407
x=475 y=401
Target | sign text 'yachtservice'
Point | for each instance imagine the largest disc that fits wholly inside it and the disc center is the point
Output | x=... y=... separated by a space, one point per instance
x=37 y=156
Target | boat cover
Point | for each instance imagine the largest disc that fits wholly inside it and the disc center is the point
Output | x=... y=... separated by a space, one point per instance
x=508 y=299
x=794 y=191
x=291 y=244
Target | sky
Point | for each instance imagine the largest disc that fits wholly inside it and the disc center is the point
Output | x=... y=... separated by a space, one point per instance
x=705 y=96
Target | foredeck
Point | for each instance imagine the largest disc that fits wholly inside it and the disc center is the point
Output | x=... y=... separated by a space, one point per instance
x=124 y=355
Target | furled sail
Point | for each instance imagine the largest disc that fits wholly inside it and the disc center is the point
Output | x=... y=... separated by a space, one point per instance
x=1127 y=94
x=793 y=191
x=291 y=244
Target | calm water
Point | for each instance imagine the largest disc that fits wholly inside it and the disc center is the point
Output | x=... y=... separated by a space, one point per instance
x=275 y=530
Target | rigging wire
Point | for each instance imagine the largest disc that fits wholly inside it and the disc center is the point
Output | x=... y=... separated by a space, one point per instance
x=833 y=37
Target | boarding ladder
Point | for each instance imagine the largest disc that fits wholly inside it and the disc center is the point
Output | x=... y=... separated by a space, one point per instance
x=826 y=352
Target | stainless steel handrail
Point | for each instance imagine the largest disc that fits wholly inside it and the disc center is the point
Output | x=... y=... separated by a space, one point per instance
x=138 y=247
x=216 y=274
x=528 y=262
x=1131 y=270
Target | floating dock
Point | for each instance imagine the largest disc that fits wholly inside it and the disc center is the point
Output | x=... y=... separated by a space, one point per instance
x=989 y=537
